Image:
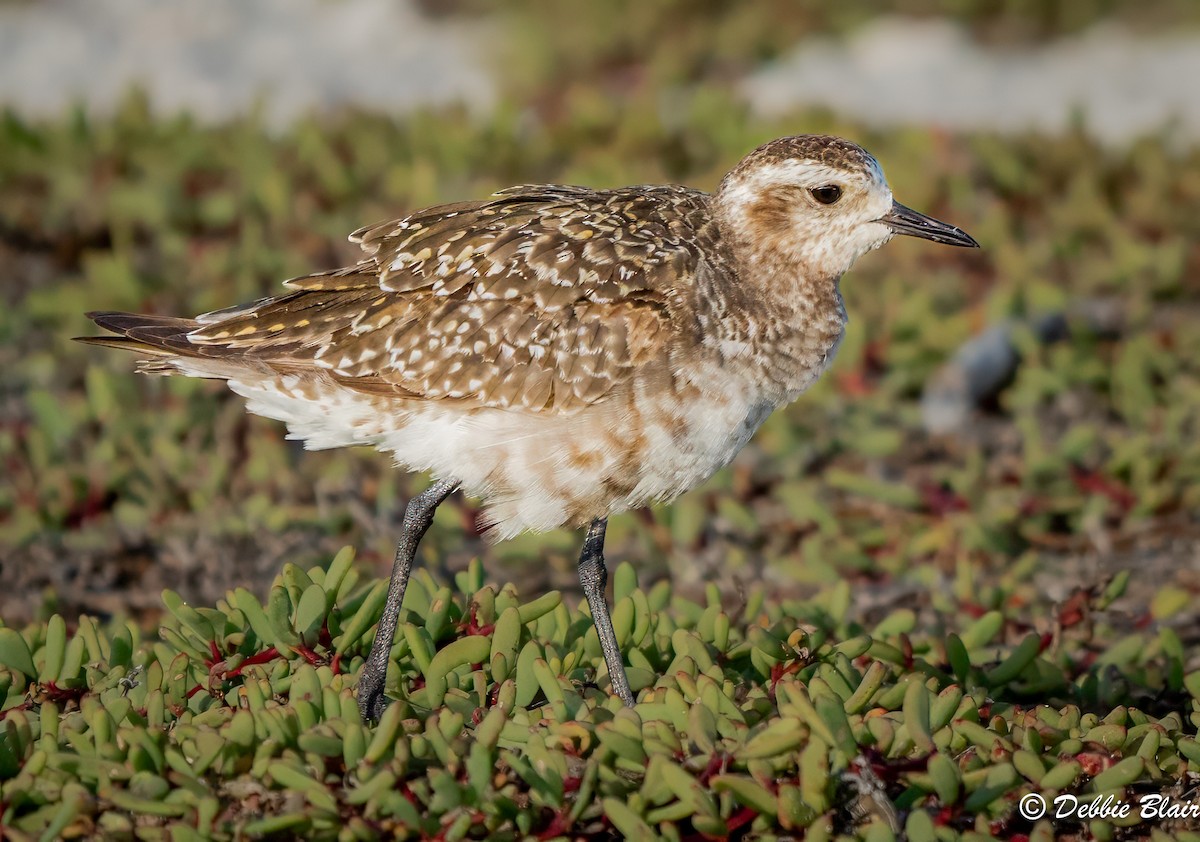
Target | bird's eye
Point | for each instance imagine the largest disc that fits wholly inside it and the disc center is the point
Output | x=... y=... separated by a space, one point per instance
x=826 y=195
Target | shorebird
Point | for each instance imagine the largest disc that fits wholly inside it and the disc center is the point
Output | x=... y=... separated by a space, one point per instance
x=562 y=353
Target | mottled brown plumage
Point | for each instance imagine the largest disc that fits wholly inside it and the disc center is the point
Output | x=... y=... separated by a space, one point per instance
x=544 y=298
x=562 y=352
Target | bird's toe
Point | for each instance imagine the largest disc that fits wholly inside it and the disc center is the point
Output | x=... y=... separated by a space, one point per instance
x=372 y=701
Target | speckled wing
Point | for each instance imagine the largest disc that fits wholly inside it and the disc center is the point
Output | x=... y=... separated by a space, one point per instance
x=542 y=298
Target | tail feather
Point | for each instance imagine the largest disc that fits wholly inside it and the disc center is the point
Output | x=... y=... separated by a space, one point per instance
x=124 y=343
x=167 y=343
x=119 y=322
x=155 y=336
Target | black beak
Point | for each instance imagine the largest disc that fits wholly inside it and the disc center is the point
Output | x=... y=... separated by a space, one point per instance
x=904 y=220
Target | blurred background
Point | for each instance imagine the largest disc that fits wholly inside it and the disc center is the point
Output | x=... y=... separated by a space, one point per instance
x=1004 y=427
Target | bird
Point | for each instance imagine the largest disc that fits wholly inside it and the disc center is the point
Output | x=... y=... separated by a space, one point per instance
x=561 y=353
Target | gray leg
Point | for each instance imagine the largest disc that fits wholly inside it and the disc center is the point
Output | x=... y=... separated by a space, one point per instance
x=593 y=576
x=417 y=517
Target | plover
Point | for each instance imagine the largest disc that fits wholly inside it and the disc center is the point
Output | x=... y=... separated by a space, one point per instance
x=562 y=353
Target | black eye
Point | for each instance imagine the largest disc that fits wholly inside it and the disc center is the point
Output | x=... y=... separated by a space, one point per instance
x=826 y=195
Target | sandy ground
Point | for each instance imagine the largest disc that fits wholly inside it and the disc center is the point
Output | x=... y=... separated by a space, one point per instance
x=223 y=57
x=220 y=58
x=899 y=71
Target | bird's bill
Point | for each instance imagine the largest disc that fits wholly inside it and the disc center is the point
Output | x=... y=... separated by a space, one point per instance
x=905 y=220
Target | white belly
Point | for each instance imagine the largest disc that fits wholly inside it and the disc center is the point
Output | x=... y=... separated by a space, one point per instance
x=535 y=471
x=718 y=427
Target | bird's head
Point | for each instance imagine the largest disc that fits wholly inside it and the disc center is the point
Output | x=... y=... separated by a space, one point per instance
x=820 y=202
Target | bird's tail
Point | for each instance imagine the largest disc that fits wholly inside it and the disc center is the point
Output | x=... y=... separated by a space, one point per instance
x=162 y=339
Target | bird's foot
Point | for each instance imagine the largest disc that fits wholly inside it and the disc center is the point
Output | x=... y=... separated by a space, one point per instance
x=372 y=701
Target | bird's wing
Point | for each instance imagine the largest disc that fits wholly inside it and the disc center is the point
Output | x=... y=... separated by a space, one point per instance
x=542 y=298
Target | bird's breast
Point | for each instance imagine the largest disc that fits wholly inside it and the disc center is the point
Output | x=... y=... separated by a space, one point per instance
x=695 y=429
x=779 y=361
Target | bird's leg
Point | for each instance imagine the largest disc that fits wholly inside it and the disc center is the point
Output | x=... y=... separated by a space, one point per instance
x=417 y=517
x=593 y=576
